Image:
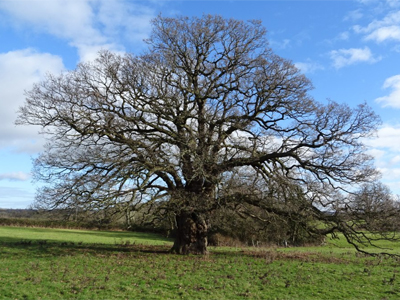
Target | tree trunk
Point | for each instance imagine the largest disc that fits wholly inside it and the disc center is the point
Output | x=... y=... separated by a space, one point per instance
x=191 y=235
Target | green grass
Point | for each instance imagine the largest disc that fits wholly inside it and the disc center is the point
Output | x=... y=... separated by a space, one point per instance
x=12 y=234
x=74 y=264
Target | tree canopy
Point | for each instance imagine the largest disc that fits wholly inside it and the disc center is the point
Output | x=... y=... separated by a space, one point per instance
x=209 y=104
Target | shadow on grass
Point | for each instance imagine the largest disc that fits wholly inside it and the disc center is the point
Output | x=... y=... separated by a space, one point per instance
x=47 y=248
x=34 y=249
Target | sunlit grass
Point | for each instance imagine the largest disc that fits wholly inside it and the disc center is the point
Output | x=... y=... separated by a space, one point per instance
x=80 y=236
x=75 y=264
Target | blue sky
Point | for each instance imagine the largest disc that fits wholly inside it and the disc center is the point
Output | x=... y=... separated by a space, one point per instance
x=349 y=49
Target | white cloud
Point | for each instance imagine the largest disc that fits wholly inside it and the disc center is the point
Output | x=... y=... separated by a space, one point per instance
x=390 y=3
x=18 y=71
x=125 y=18
x=377 y=153
x=280 y=44
x=346 y=57
x=385 y=148
x=385 y=33
x=343 y=36
x=353 y=15
x=382 y=30
x=393 y=3
x=91 y=52
x=395 y=160
x=396 y=48
x=367 y=1
x=308 y=67
x=393 y=99
x=15 y=176
x=388 y=137
x=88 y=25
x=62 y=18
x=15 y=197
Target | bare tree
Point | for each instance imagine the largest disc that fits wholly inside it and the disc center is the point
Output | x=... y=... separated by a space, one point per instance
x=164 y=128
x=374 y=208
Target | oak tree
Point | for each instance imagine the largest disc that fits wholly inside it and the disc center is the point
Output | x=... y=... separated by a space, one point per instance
x=165 y=129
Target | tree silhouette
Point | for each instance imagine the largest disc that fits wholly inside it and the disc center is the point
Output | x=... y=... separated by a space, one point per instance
x=207 y=100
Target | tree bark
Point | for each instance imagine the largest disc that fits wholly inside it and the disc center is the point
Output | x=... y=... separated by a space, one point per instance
x=191 y=235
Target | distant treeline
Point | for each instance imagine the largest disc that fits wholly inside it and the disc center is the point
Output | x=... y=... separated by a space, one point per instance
x=230 y=230
x=18 y=213
x=49 y=219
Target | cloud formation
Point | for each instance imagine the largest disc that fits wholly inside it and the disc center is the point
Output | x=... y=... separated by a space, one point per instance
x=88 y=25
x=345 y=57
x=15 y=176
x=18 y=71
x=15 y=197
x=353 y=15
x=393 y=99
x=308 y=66
x=382 y=30
x=385 y=150
x=385 y=33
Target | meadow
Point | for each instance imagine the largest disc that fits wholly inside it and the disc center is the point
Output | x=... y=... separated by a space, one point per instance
x=42 y=263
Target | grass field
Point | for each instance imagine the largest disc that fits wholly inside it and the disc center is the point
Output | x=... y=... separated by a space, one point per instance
x=74 y=264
